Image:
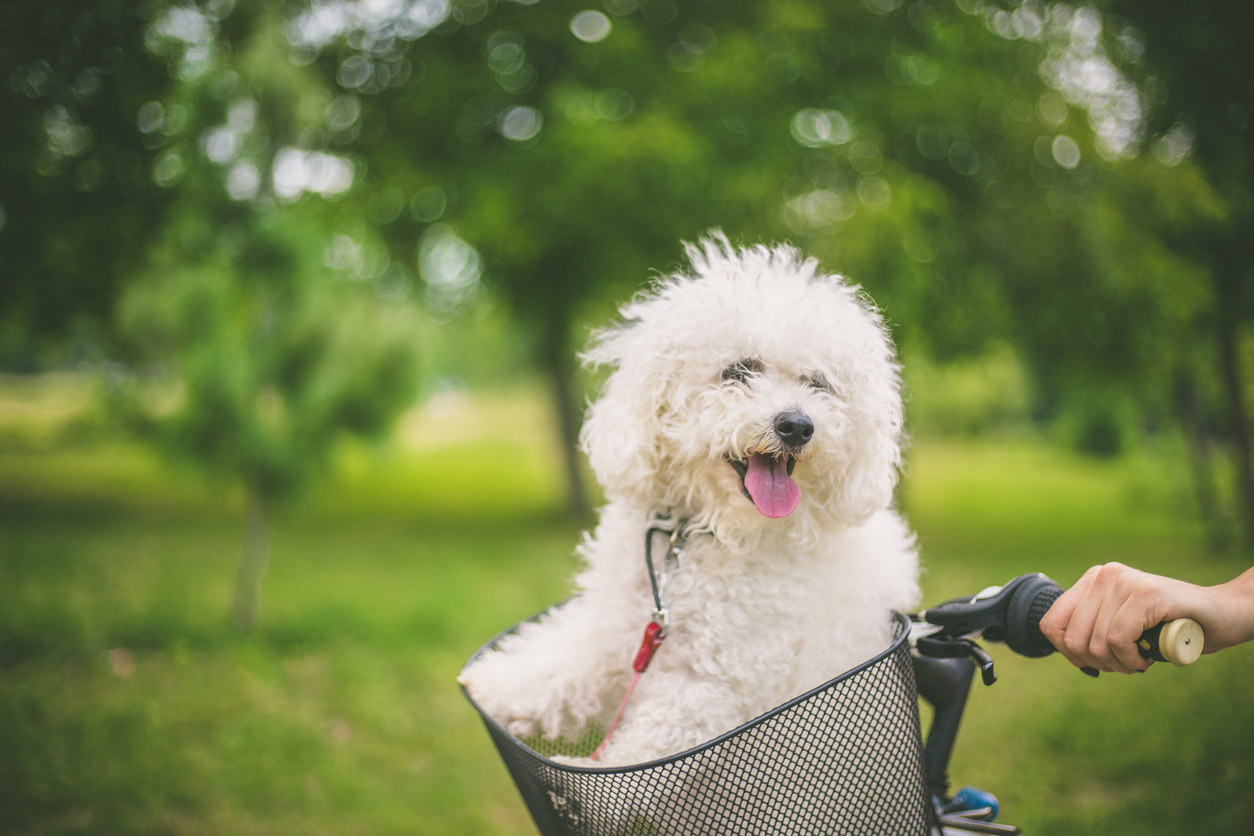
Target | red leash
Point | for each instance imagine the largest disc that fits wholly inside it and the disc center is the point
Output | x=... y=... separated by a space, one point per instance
x=655 y=631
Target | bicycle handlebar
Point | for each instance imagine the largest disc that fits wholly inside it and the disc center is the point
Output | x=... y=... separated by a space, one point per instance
x=1012 y=614
x=945 y=635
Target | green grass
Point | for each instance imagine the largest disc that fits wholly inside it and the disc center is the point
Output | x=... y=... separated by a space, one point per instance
x=129 y=705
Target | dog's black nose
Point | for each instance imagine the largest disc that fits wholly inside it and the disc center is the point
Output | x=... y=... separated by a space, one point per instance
x=794 y=428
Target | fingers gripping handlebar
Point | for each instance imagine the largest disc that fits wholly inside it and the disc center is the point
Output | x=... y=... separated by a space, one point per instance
x=1012 y=614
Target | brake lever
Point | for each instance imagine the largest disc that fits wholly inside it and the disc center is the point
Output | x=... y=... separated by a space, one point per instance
x=950 y=629
x=958 y=648
x=983 y=614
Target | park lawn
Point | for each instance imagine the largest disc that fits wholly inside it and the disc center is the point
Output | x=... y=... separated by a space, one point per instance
x=128 y=704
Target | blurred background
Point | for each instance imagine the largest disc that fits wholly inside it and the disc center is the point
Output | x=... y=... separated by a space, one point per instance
x=291 y=296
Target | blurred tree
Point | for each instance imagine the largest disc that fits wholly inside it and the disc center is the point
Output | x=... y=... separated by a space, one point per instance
x=570 y=161
x=1138 y=275
x=78 y=207
x=572 y=148
x=275 y=361
x=280 y=339
x=1067 y=178
x=1198 y=73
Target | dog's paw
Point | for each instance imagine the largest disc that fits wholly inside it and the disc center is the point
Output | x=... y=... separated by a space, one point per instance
x=522 y=728
x=488 y=676
x=488 y=688
x=502 y=690
x=507 y=716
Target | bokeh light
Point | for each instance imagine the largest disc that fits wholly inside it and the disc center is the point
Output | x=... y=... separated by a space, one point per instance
x=591 y=26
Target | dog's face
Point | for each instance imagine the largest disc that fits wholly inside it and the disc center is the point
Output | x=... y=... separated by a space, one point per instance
x=752 y=393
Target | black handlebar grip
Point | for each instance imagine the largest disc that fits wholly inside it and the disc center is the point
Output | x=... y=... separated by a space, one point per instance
x=1027 y=606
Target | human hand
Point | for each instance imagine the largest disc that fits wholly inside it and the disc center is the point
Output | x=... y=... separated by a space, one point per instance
x=1096 y=623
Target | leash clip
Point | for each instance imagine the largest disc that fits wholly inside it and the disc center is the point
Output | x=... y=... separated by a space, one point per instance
x=662 y=618
x=659 y=576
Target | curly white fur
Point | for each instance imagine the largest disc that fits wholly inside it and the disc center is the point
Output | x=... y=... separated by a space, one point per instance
x=762 y=609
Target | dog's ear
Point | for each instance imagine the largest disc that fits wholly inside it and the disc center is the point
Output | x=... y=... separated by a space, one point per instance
x=870 y=470
x=620 y=430
x=868 y=383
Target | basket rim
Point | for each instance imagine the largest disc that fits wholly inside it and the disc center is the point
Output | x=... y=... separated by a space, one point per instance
x=900 y=619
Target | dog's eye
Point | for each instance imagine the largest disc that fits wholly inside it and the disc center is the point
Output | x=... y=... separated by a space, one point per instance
x=818 y=381
x=742 y=370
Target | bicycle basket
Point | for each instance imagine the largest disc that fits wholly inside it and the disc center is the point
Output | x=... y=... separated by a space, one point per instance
x=845 y=758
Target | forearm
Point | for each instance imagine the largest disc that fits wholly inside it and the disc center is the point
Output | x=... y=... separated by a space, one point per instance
x=1096 y=623
x=1230 y=620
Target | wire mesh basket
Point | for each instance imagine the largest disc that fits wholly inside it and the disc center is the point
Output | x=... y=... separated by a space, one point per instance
x=845 y=758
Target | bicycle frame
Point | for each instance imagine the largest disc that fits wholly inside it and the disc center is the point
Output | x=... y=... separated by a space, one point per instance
x=945 y=685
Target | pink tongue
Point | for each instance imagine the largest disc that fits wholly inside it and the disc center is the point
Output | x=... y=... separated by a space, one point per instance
x=770 y=487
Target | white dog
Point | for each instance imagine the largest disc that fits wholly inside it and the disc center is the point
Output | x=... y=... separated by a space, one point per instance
x=754 y=403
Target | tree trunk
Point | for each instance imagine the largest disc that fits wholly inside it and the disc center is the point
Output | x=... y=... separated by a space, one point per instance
x=254 y=557
x=1230 y=369
x=1193 y=418
x=562 y=379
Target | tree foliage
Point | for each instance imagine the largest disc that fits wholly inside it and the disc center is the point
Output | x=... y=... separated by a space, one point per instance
x=78 y=207
x=573 y=148
x=1069 y=179
x=1201 y=72
x=279 y=340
